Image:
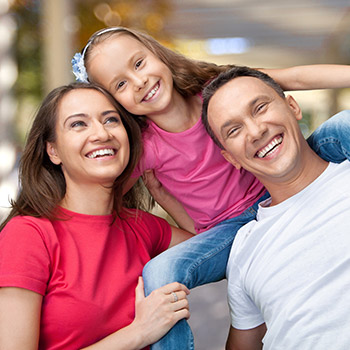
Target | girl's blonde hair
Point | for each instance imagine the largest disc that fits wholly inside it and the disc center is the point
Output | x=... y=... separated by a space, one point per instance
x=190 y=76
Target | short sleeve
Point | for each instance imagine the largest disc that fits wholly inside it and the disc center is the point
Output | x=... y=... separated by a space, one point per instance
x=24 y=259
x=158 y=231
x=243 y=311
x=149 y=155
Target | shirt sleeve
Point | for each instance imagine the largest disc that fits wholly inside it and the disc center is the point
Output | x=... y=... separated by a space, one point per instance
x=24 y=259
x=159 y=232
x=148 y=159
x=243 y=311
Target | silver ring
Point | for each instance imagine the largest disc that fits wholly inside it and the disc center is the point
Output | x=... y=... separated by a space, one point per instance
x=175 y=297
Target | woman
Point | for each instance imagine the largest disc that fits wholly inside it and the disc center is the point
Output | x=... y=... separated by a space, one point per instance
x=71 y=255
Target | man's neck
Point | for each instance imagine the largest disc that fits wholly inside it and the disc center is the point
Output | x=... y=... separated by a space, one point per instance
x=309 y=170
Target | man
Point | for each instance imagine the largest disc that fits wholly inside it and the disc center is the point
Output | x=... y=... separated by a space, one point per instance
x=289 y=270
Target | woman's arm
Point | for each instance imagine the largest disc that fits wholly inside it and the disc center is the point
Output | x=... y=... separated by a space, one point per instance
x=154 y=316
x=318 y=76
x=168 y=202
x=250 y=339
x=19 y=318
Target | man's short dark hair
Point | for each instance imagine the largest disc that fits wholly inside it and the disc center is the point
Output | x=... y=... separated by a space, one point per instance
x=224 y=78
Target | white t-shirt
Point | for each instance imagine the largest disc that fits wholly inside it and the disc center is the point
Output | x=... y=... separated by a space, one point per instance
x=291 y=268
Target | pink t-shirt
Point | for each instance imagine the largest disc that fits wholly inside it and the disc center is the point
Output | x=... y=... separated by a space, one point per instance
x=190 y=166
x=85 y=268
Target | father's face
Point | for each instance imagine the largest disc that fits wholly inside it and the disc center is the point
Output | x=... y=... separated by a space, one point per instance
x=257 y=127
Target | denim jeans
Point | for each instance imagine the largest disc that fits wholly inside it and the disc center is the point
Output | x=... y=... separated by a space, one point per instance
x=203 y=258
x=331 y=140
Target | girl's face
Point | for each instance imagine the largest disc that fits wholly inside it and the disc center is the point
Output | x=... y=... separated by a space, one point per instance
x=138 y=79
x=91 y=142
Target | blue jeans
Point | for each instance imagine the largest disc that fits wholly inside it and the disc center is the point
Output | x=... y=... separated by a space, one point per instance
x=331 y=140
x=203 y=258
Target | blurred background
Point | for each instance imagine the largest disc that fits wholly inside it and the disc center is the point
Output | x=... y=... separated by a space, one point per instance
x=39 y=37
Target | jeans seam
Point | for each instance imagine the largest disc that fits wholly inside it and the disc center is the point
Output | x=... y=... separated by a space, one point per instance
x=205 y=257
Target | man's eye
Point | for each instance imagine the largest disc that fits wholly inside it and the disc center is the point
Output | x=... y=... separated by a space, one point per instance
x=261 y=107
x=232 y=131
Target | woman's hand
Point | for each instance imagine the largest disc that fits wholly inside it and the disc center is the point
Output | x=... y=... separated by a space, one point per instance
x=157 y=313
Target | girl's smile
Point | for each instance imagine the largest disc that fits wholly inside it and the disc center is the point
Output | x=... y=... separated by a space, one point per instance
x=138 y=79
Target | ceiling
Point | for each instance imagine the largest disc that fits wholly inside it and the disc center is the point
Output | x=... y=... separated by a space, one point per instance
x=279 y=32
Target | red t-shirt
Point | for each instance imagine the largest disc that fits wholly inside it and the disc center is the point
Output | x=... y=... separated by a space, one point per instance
x=85 y=268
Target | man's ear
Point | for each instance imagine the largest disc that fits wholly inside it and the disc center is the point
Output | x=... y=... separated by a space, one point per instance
x=294 y=106
x=230 y=159
x=52 y=153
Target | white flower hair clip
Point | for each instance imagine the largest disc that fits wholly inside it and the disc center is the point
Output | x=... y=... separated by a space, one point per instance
x=79 y=69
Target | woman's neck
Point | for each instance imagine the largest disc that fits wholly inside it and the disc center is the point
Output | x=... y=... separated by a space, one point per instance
x=88 y=199
x=182 y=114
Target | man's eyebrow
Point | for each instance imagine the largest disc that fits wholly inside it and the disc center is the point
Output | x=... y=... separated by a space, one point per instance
x=250 y=104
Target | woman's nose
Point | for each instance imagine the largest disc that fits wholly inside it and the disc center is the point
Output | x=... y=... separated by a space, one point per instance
x=100 y=133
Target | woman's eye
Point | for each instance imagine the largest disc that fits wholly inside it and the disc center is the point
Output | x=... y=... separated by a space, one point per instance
x=111 y=120
x=77 y=124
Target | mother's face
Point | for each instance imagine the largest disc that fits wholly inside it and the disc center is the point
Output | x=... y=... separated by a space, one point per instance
x=91 y=144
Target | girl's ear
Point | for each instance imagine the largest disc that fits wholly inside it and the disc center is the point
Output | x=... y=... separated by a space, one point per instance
x=294 y=106
x=52 y=153
x=230 y=159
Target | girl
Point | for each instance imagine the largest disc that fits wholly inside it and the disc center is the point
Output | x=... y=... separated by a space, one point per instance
x=200 y=190
x=70 y=253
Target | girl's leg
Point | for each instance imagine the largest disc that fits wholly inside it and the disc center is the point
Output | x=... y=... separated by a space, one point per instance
x=200 y=260
x=331 y=140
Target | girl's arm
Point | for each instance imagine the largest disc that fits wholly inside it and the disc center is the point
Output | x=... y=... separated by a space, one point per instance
x=168 y=202
x=318 y=76
x=178 y=235
x=154 y=316
x=19 y=318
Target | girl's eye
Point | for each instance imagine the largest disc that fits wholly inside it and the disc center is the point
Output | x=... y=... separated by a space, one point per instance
x=138 y=63
x=120 y=85
x=78 y=123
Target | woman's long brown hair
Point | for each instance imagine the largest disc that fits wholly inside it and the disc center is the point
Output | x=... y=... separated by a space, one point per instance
x=42 y=183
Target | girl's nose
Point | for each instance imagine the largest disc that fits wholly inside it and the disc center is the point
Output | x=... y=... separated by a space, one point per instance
x=140 y=82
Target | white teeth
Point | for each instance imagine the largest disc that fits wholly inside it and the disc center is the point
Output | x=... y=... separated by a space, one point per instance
x=101 y=152
x=151 y=93
x=276 y=141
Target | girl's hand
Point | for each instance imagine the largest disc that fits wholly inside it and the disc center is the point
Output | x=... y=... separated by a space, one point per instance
x=156 y=314
x=154 y=187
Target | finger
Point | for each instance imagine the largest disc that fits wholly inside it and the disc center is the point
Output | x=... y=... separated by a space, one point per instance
x=139 y=291
x=175 y=297
x=174 y=287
